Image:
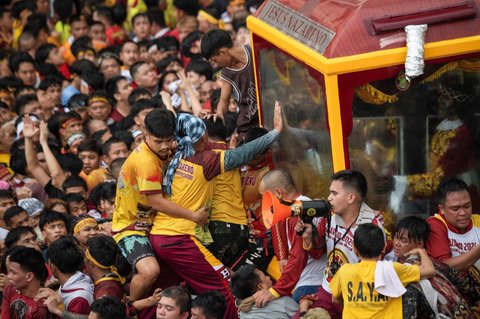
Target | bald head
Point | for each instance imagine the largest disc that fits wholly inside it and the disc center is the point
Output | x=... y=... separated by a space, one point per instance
x=278 y=180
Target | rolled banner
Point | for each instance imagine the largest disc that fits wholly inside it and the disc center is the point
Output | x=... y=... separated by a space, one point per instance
x=414 y=62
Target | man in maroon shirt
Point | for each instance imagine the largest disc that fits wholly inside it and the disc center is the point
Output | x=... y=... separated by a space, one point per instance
x=26 y=274
x=455 y=232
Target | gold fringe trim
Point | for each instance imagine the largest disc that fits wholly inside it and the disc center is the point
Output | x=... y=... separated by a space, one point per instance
x=369 y=94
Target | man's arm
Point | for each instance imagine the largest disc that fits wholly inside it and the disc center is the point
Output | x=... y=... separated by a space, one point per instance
x=29 y=130
x=315 y=247
x=245 y=153
x=466 y=260
x=225 y=94
x=427 y=269
x=161 y=204
x=56 y=172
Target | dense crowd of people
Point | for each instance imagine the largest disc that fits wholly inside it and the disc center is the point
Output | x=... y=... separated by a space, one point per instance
x=132 y=168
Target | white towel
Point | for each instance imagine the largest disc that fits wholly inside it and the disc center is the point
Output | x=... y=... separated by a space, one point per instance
x=387 y=282
x=432 y=297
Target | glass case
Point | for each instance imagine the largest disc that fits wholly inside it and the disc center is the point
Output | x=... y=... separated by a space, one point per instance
x=407 y=143
x=304 y=148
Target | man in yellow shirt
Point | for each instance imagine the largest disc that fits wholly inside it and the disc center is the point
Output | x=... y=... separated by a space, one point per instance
x=140 y=196
x=178 y=242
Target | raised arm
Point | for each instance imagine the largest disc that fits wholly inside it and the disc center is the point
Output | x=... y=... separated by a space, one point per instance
x=167 y=101
x=56 y=172
x=245 y=153
x=187 y=86
x=29 y=130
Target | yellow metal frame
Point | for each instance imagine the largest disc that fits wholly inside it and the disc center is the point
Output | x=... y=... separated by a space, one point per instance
x=331 y=68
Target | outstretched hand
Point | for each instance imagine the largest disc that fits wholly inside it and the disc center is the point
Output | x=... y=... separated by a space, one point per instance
x=278 y=117
x=43 y=132
x=29 y=129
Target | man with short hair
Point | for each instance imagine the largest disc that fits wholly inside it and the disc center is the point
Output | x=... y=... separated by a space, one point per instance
x=22 y=236
x=76 y=289
x=53 y=226
x=175 y=303
x=141 y=27
x=246 y=282
x=107 y=308
x=26 y=275
x=112 y=149
x=16 y=216
x=129 y=54
x=348 y=189
x=144 y=76
x=118 y=89
x=28 y=104
x=300 y=273
x=208 y=305
x=455 y=232
x=140 y=195
x=23 y=67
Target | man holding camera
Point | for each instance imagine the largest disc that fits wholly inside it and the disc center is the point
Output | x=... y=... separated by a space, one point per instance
x=347 y=192
x=298 y=270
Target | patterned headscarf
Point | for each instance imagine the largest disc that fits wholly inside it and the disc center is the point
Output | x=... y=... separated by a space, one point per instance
x=189 y=130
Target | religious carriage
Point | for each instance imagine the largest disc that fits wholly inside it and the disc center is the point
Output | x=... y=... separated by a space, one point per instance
x=338 y=67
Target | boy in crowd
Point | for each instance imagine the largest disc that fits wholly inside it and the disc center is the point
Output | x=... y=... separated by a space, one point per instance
x=246 y=282
x=208 y=305
x=112 y=149
x=26 y=275
x=118 y=90
x=175 y=303
x=237 y=75
x=199 y=71
x=53 y=226
x=76 y=204
x=76 y=288
x=22 y=236
x=107 y=308
x=443 y=297
x=15 y=217
x=359 y=284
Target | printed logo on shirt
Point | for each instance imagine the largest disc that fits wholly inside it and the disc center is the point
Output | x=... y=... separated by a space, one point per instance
x=461 y=247
x=249 y=180
x=185 y=171
x=364 y=292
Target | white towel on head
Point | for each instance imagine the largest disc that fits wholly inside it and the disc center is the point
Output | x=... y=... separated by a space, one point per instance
x=387 y=281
